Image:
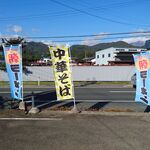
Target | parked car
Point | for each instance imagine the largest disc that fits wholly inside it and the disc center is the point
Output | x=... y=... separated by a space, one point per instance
x=133 y=80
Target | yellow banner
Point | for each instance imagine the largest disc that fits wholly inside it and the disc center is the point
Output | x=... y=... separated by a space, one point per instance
x=62 y=72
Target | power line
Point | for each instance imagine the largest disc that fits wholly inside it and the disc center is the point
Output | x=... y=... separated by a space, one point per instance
x=66 y=13
x=93 y=15
x=90 y=35
x=36 y=16
x=107 y=38
x=109 y=5
x=92 y=39
x=54 y=14
x=95 y=36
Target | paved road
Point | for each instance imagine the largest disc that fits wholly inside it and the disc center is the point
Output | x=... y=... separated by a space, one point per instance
x=87 y=98
x=84 y=93
x=77 y=132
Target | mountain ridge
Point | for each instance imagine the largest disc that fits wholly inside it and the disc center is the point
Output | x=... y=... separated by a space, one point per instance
x=82 y=51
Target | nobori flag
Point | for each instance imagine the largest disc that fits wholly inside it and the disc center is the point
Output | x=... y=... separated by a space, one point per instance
x=13 y=59
x=142 y=65
x=62 y=72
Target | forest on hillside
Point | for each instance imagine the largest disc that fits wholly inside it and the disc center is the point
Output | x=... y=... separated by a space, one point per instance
x=33 y=51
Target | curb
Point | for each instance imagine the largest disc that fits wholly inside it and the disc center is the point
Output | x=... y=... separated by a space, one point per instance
x=135 y=114
x=58 y=113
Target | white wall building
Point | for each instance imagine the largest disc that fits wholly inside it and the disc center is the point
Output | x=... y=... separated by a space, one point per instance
x=46 y=60
x=103 y=57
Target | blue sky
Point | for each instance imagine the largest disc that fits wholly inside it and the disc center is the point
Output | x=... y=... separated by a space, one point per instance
x=73 y=17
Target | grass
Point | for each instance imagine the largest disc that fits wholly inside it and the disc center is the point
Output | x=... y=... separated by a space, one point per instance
x=6 y=83
x=76 y=83
x=113 y=82
x=36 y=83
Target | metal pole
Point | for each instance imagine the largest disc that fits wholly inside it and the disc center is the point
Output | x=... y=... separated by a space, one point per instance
x=33 y=103
x=34 y=109
x=74 y=101
x=22 y=70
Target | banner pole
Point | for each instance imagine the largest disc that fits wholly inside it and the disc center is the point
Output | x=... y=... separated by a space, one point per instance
x=22 y=104
x=22 y=70
x=74 y=100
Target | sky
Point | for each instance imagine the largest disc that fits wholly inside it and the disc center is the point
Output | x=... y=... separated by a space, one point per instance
x=54 y=18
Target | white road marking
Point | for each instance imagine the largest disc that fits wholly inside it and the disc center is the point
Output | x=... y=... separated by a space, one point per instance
x=122 y=91
x=76 y=87
x=33 y=119
x=29 y=92
x=109 y=101
x=26 y=92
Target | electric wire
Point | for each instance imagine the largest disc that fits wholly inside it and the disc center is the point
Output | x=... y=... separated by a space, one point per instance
x=90 y=35
x=77 y=11
x=55 y=14
x=93 y=15
x=105 y=38
x=126 y=35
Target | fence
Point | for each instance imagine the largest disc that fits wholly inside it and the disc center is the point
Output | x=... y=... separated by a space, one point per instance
x=80 y=73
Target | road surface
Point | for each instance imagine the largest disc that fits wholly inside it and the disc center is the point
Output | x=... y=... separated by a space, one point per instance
x=81 y=93
x=76 y=132
x=87 y=98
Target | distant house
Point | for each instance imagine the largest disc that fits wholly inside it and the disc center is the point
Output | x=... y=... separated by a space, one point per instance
x=42 y=62
x=46 y=60
x=74 y=61
x=88 y=61
x=116 y=56
x=93 y=61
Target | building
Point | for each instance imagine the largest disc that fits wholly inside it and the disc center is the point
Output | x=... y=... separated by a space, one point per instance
x=117 y=56
x=42 y=62
x=46 y=60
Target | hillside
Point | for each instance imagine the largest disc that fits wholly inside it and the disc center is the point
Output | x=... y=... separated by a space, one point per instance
x=80 y=51
x=35 y=50
x=119 y=44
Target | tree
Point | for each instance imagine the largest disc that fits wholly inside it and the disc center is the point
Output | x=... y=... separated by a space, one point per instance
x=34 y=51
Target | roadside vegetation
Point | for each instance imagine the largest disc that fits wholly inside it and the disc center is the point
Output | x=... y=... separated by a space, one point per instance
x=76 y=83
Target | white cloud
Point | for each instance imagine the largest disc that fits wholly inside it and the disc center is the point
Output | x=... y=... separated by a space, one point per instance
x=14 y=28
x=17 y=28
x=47 y=42
x=141 y=37
x=93 y=41
x=135 y=39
